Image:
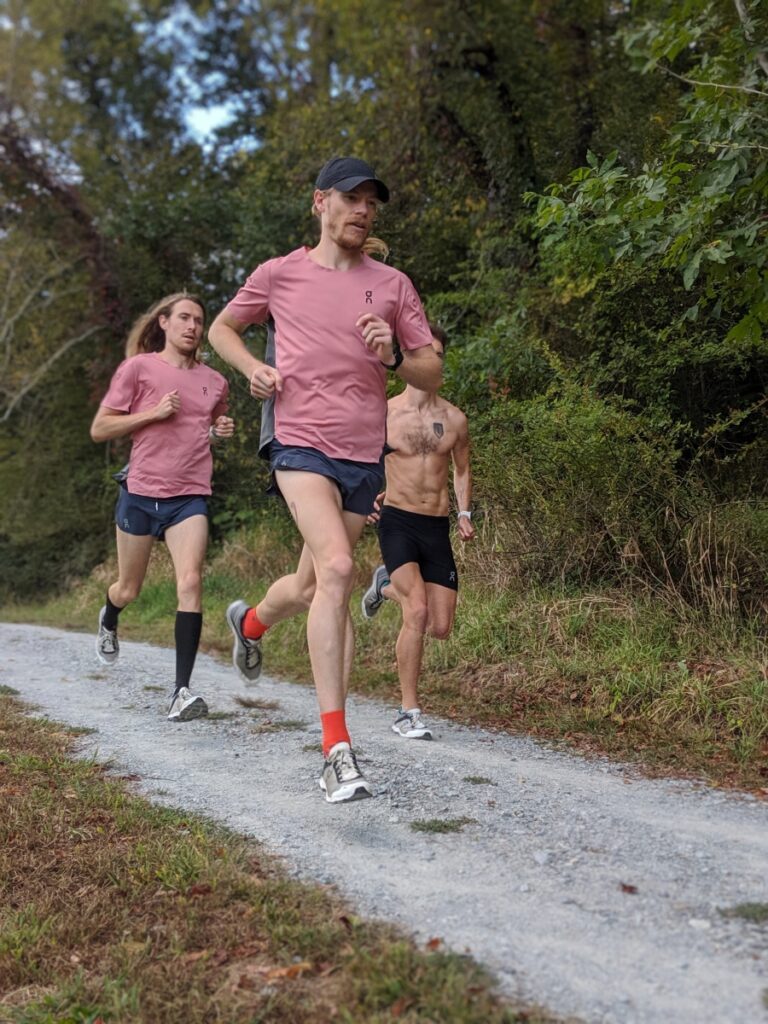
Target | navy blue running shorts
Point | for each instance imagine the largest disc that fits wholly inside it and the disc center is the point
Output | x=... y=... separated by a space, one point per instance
x=412 y=537
x=359 y=482
x=144 y=517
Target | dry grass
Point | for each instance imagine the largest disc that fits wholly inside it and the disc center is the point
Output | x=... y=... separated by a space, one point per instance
x=635 y=672
x=115 y=910
x=608 y=673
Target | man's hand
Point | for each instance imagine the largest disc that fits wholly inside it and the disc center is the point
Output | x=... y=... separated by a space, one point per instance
x=265 y=381
x=223 y=426
x=373 y=517
x=466 y=529
x=168 y=406
x=377 y=336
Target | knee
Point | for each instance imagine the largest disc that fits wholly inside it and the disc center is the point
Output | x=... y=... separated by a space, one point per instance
x=124 y=593
x=440 y=630
x=415 y=616
x=336 y=574
x=190 y=584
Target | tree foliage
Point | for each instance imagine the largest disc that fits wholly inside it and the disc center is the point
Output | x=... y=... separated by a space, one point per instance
x=578 y=192
x=699 y=208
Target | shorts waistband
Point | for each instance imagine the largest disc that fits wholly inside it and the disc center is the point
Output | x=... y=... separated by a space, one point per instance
x=414 y=517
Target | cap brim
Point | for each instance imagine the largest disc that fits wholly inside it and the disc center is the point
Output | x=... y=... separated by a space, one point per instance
x=347 y=184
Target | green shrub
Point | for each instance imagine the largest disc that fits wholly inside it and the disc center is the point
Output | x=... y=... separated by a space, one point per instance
x=573 y=485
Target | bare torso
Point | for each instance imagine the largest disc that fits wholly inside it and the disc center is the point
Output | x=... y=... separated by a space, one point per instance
x=422 y=435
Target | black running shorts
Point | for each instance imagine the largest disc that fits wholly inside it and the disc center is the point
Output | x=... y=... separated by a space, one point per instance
x=425 y=540
x=358 y=482
x=145 y=517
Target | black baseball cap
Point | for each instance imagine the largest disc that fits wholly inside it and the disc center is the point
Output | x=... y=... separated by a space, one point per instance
x=347 y=172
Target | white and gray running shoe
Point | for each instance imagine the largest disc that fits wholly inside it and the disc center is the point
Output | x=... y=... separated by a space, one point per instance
x=411 y=725
x=185 y=706
x=341 y=778
x=373 y=598
x=107 y=644
x=246 y=653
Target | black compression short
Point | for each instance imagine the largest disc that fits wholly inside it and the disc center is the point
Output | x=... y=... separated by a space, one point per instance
x=411 y=537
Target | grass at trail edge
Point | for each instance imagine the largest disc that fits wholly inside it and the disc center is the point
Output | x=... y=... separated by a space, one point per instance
x=114 y=910
x=635 y=676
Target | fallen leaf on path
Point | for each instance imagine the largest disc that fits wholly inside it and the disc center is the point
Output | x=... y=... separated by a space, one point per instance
x=401 y=1006
x=199 y=889
x=192 y=958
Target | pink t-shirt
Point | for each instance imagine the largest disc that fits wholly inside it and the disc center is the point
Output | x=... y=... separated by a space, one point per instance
x=172 y=456
x=334 y=396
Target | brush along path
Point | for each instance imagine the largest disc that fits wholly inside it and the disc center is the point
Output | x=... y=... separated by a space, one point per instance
x=585 y=888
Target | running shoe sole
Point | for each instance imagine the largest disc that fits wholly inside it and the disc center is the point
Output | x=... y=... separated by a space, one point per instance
x=414 y=734
x=106 y=659
x=234 y=613
x=352 y=791
x=370 y=611
x=197 y=708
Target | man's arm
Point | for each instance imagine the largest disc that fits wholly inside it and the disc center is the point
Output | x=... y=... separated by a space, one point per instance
x=225 y=336
x=462 y=479
x=109 y=424
x=421 y=368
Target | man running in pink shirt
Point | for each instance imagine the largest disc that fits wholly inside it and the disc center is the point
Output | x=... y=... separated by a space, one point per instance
x=172 y=406
x=333 y=315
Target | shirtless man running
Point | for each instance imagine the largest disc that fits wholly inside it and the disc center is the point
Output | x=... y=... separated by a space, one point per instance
x=425 y=433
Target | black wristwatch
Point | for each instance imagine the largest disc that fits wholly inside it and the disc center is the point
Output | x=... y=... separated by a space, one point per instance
x=398 y=359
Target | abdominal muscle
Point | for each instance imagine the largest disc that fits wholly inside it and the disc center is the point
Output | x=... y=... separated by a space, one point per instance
x=418 y=483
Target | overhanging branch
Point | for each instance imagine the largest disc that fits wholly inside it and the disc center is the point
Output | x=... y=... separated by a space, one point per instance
x=45 y=367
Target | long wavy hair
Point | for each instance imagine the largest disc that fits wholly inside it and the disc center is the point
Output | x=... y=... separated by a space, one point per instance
x=439 y=333
x=146 y=335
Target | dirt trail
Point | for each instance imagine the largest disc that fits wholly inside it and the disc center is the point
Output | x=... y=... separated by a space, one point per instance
x=583 y=887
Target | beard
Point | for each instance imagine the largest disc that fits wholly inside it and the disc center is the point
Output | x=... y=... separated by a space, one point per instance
x=349 y=239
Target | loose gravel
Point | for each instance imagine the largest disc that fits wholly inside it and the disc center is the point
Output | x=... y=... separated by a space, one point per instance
x=584 y=887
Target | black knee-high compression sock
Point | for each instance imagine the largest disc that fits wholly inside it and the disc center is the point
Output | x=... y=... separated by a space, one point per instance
x=111 y=612
x=188 y=627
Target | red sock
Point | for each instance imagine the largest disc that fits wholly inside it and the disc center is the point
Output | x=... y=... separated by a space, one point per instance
x=334 y=730
x=252 y=626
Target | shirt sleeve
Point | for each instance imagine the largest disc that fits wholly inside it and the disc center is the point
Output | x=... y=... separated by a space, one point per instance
x=121 y=393
x=251 y=304
x=222 y=405
x=411 y=327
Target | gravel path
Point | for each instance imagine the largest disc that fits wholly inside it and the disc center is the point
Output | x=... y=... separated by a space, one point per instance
x=585 y=888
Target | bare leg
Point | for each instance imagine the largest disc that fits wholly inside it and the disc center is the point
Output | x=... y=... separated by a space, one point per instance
x=289 y=595
x=349 y=652
x=409 y=590
x=132 y=561
x=187 y=542
x=441 y=604
x=330 y=535
x=411 y=595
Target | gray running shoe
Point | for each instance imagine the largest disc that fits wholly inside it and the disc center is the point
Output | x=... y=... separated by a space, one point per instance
x=341 y=778
x=107 y=645
x=411 y=725
x=185 y=706
x=373 y=598
x=246 y=654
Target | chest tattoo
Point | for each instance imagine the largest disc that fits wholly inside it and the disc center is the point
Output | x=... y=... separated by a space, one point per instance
x=438 y=429
x=419 y=442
